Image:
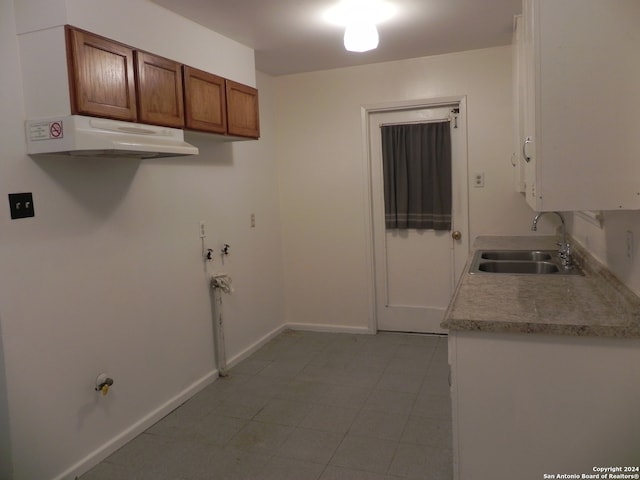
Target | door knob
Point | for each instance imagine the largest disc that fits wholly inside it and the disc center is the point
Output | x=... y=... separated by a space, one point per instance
x=456 y=235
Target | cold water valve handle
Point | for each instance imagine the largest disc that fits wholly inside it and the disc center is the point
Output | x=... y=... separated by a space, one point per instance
x=225 y=249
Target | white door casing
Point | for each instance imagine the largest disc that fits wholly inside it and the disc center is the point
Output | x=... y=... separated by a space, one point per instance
x=414 y=272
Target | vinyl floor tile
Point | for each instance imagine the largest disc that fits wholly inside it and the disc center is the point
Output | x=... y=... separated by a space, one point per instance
x=307 y=406
x=310 y=445
x=365 y=453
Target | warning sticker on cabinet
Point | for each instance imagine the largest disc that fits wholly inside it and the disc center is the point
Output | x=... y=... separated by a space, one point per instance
x=46 y=130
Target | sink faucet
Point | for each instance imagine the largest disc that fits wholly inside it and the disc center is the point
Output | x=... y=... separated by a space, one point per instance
x=564 y=252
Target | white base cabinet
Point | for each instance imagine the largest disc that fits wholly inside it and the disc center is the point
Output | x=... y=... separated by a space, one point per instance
x=581 y=104
x=529 y=405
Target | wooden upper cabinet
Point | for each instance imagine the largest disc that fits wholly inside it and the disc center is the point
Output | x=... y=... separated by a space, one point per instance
x=112 y=80
x=243 y=118
x=101 y=76
x=204 y=101
x=159 y=87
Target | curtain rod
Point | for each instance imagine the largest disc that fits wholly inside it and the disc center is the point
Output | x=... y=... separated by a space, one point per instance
x=417 y=122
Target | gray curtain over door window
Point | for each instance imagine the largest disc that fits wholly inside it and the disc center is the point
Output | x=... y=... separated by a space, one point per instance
x=416 y=160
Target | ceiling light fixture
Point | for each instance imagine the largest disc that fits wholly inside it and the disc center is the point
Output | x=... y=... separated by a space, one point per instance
x=361 y=37
x=360 y=17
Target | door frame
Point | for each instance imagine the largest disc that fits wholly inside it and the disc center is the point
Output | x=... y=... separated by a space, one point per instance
x=462 y=224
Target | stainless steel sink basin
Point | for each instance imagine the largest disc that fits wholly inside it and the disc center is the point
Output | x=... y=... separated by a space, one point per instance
x=520 y=262
x=513 y=255
x=518 y=267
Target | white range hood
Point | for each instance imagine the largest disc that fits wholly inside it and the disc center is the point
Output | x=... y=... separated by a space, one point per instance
x=99 y=137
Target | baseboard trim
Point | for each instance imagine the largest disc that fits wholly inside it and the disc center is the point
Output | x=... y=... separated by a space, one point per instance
x=311 y=327
x=95 y=457
x=148 y=420
x=255 y=346
x=315 y=327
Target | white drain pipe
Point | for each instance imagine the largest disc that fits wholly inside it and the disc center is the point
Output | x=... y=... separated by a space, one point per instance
x=220 y=282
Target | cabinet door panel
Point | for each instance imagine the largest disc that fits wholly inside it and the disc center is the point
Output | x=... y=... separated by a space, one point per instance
x=159 y=82
x=581 y=82
x=101 y=76
x=204 y=101
x=243 y=118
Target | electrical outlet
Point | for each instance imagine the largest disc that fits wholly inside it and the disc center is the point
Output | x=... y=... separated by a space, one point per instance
x=478 y=180
x=253 y=220
x=21 y=205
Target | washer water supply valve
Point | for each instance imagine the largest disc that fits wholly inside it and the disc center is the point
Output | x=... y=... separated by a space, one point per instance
x=224 y=251
x=103 y=383
x=209 y=255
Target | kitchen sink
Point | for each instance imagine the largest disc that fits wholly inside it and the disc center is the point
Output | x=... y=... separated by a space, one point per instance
x=537 y=268
x=522 y=255
x=520 y=262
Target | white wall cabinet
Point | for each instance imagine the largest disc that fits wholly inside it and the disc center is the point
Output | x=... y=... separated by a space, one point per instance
x=581 y=102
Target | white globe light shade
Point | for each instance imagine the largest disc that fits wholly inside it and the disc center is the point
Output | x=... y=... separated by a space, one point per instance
x=361 y=37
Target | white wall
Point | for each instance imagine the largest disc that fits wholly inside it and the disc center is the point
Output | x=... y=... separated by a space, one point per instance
x=146 y=26
x=11 y=103
x=609 y=243
x=108 y=276
x=323 y=180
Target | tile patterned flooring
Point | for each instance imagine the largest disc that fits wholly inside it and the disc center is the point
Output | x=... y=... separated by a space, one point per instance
x=307 y=406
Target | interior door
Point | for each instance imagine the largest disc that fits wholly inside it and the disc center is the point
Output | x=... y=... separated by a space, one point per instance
x=415 y=270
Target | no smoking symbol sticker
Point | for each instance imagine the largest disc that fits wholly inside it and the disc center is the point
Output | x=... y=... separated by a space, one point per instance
x=55 y=130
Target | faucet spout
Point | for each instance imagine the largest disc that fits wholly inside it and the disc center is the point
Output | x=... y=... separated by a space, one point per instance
x=565 y=249
x=534 y=225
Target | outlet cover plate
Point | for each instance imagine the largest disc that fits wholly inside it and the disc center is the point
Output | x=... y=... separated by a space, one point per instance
x=21 y=205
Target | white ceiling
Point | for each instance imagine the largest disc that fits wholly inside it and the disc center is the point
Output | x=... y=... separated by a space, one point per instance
x=291 y=36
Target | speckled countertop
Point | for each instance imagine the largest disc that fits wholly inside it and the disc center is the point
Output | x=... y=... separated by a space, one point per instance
x=596 y=304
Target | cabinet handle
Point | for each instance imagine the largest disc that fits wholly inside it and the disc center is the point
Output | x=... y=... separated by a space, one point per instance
x=524 y=149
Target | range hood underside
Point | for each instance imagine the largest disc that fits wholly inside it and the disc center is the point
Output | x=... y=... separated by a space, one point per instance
x=81 y=136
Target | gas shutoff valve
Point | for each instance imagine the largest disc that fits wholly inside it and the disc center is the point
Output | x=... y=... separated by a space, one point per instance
x=103 y=383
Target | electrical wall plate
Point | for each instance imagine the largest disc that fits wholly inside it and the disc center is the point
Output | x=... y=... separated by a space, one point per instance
x=21 y=205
